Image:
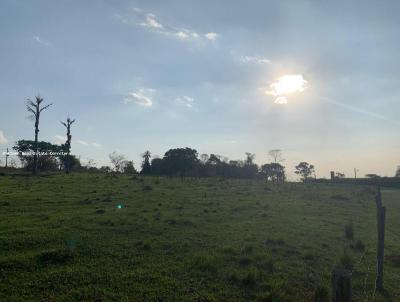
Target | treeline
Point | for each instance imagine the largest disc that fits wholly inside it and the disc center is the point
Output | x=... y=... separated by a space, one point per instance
x=187 y=162
x=392 y=182
x=175 y=162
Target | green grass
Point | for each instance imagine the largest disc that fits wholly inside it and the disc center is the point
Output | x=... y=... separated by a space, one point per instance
x=102 y=238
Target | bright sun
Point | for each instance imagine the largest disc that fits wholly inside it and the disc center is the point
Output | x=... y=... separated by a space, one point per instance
x=286 y=85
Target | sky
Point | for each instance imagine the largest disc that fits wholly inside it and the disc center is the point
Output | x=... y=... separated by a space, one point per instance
x=155 y=75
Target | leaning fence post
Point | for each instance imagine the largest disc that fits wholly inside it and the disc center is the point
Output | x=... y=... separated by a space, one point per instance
x=341 y=285
x=381 y=217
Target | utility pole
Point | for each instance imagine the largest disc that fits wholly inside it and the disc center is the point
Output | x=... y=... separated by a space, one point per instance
x=355 y=173
x=7 y=155
x=381 y=218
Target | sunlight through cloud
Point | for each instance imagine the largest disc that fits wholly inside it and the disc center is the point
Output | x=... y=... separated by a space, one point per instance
x=286 y=85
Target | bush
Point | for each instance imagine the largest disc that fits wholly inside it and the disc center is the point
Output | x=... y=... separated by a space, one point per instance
x=247 y=249
x=249 y=280
x=45 y=163
x=321 y=294
x=147 y=188
x=244 y=261
x=346 y=262
x=268 y=266
x=233 y=277
x=349 y=232
x=360 y=246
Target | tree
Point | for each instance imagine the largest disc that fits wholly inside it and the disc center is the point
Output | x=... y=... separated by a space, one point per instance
x=214 y=159
x=398 y=172
x=274 y=171
x=146 y=167
x=118 y=161
x=158 y=166
x=305 y=170
x=180 y=161
x=372 y=175
x=71 y=162
x=128 y=168
x=211 y=165
x=204 y=158
x=13 y=163
x=67 y=145
x=105 y=169
x=49 y=154
x=35 y=108
x=90 y=164
x=340 y=175
x=249 y=169
x=276 y=155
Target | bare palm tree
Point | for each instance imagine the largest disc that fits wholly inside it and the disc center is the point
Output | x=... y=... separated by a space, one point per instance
x=67 y=125
x=36 y=109
x=276 y=156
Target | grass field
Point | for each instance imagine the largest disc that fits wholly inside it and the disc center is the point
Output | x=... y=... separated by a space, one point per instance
x=120 y=238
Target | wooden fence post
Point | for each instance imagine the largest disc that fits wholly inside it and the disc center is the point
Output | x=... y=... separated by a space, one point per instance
x=381 y=217
x=341 y=285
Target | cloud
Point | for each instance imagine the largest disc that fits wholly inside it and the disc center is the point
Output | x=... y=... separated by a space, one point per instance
x=182 y=35
x=142 y=97
x=254 y=59
x=185 y=100
x=250 y=59
x=81 y=142
x=230 y=141
x=42 y=41
x=122 y=19
x=151 y=22
x=3 y=139
x=62 y=139
x=211 y=36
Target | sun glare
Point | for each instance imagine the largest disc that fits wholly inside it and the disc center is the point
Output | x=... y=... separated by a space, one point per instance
x=286 y=85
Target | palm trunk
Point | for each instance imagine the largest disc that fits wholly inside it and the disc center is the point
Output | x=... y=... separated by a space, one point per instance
x=68 y=147
x=35 y=109
x=68 y=144
x=35 y=156
x=67 y=163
